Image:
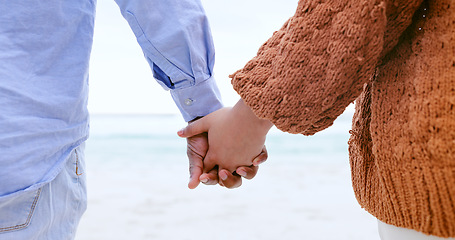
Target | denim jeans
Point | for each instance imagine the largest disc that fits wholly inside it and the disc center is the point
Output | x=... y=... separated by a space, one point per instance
x=53 y=211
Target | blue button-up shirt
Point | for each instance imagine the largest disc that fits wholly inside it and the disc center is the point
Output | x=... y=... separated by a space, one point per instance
x=44 y=58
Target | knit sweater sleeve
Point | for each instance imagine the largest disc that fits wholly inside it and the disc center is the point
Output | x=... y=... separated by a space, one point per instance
x=310 y=70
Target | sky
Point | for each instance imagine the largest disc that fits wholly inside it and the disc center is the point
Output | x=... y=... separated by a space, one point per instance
x=121 y=81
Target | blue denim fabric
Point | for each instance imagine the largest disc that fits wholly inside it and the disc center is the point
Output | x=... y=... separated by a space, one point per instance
x=51 y=212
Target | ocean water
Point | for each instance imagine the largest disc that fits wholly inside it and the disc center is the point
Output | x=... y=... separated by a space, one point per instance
x=153 y=139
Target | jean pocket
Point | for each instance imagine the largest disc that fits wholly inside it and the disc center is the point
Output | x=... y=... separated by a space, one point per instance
x=17 y=210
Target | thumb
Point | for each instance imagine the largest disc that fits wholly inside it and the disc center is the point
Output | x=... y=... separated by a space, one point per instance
x=197 y=127
x=209 y=162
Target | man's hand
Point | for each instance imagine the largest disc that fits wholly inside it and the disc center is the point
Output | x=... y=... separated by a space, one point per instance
x=197 y=147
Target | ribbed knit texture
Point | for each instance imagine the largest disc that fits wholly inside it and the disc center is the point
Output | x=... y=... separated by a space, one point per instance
x=397 y=58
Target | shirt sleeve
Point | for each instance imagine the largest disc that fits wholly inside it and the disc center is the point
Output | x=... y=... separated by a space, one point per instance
x=176 y=40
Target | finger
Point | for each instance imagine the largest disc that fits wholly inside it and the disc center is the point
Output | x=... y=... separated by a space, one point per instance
x=209 y=162
x=247 y=172
x=194 y=128
x=195 y=173
x=262 y=157
x=210 y=178
x=229 y=180
x=195 y=168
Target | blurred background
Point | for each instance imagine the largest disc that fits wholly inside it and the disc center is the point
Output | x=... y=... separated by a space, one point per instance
x=137 y=166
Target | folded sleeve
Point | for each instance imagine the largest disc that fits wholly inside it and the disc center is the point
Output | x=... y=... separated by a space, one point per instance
x=176 y=40
x=310 y=70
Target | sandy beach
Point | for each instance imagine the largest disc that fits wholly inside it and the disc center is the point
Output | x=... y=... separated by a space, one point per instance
x=285 y=203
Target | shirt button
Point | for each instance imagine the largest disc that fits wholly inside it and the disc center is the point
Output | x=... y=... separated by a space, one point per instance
x=188 y=101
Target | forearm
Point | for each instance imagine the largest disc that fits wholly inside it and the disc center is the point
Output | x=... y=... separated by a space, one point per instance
x=316 y=65
x=310 y=70
x=175 y=37
x=176 y=40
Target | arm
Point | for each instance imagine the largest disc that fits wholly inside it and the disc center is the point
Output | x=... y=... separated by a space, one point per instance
x=177 y=43
x=307 y=73
x=310 y=70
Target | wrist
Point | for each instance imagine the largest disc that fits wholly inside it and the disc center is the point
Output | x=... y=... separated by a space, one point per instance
x=262 y=126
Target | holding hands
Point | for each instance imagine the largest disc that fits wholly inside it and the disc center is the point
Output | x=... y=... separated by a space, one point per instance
x=225 y=145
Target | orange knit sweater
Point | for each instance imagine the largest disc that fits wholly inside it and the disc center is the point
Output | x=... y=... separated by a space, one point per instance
x=397 y=58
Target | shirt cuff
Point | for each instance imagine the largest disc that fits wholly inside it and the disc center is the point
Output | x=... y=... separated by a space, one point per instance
x=198 y=100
